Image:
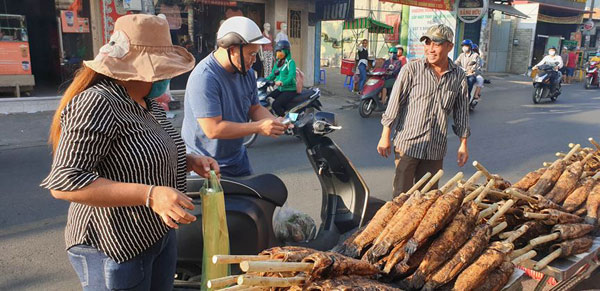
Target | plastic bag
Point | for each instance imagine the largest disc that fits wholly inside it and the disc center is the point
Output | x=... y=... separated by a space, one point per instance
x=214 y=230
x=291 y=225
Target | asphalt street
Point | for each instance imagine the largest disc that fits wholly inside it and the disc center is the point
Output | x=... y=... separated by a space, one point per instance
x=510 y=136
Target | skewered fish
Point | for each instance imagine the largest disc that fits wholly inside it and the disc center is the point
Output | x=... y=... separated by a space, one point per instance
x=404 y=269
x=446 y=244
x=476 y=273
x=348 y=283
x=560 y=217
x=329 y=265
x=567 y=181
x=578 y=197
x=548 y=178
x=592 y=204
x=498 y=278
x=529 y=180
x=288 y=253
x=565 y=249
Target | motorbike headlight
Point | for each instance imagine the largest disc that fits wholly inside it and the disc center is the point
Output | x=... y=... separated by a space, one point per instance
x=372 y=82
x=260 y=84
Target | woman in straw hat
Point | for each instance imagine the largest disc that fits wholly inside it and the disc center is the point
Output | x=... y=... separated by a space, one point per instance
x=121 y=164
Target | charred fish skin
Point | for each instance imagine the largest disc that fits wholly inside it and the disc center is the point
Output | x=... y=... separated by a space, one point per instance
x=354 y=283
x=592 y=204
x=343 y=248
x=561 y=217
x=574 y=246
x=446 y=244
x=465 y=255
x=498 y=278
x=438 y=215
x=476 y=273
x=288 y=253
x=529 y=180
x=566 y=183
x=573 y=230
x=548 y=179
x=330 y=265
x=579 y=196
x=404 y=226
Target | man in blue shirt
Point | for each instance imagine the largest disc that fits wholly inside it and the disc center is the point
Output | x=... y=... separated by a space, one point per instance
x=221 y=97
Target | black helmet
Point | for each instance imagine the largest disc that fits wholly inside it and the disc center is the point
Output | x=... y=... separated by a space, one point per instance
x=282 y=45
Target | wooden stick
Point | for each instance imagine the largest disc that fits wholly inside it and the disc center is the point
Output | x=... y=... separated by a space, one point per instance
x=546 y=164
x=547 y=260
x=498 y=228
x=488 y=211
x=521 y=251
x=560 y=155
x=248 y=280
x=544 y=239
x=517 y=195
x=221 y=282
x=593 y=142
x=485 y=191
x=473 y=194
x=473 y=179
x=481 y=168
x=432 y=182
x=595 y=177
x=419 y=183
x=235 y=259
x=587 y=158
x=451 y=182
x=253 y=266
x=571 y=152
x=533 y=215
x=517 y=233
x=484 y=205
x=236 y=287
x=527 y=256
x=508 y=204
x=506 y=234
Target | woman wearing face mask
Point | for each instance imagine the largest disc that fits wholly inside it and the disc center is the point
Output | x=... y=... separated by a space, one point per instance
x=284 y=75
x=469 y=61
x=120 y=162
x=393 y=65
x=553 y=60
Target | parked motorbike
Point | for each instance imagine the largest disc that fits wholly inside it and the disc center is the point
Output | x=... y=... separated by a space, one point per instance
x=250 y=203
x=307 y=101
x=370 y=100
x=591 y=79
x=543 y=83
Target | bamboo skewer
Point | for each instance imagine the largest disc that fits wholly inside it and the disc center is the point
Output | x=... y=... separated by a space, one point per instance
x=560 y=155
x=517 y=233
x=481 y=168
x=546 y=164
x=521 y=251
x=419 y=183
x=473 y=179
x=474 y=194
x=485 y=191
x=238 y=287
x=221 y=282
x=546 y=260
x=432 y=182
x=451 y=182
x=534 y=215
x=571 y=152
x=593 y=142
x=508 y=204
x=254 y=266
x=517 y=195
x=248 y=280
x=527 y=256
x=544 y=239
x=498 y=228
x=236 y=259
x=488 y=211
x=505 y=235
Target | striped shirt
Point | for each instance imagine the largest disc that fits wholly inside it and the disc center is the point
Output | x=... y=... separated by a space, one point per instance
x=105 y=133
x=421 y=103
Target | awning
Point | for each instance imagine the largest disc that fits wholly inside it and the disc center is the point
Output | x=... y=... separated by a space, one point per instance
x=369 y=23
x=508 y=10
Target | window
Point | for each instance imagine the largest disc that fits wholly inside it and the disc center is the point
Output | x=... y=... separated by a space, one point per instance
x=295 y=23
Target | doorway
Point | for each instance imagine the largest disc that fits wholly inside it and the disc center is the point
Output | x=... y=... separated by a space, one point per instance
x=295 y=35
x=499 y=43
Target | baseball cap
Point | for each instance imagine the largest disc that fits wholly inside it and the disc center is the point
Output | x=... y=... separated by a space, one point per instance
x=439 y=33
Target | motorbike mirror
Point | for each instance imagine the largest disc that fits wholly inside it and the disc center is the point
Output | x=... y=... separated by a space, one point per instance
x=327 y=117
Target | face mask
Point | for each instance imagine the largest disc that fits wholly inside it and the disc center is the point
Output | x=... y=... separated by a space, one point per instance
x=158 y=88
x=552 y=53
x=465 y=49
x=280 y=55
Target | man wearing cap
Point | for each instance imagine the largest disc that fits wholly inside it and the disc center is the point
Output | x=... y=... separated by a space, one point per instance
x=221 y=97
x=424 y=95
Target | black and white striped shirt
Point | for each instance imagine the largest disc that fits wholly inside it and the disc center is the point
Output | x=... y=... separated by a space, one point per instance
x=421 y=103
x=107 y=134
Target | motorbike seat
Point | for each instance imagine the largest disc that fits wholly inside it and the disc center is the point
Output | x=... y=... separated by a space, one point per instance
x=265 y=186
x=305 y=95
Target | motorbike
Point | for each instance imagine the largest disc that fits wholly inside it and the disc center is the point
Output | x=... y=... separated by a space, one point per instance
x=250 y=203
x=370 y=101
x=542 y=84
x=591 y=79
x=307 y=101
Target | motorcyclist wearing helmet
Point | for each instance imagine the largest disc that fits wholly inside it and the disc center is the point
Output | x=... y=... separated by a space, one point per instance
x=284 y=75
x=392 y=64
x=469 y=61
x=596 y=58
x=479 y=78
x=555 y=61
x=221 y=96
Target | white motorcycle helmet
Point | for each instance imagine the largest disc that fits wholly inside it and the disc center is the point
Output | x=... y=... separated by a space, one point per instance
x=239 y=30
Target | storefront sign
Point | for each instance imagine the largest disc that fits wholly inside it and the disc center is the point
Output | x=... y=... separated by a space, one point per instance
x=393 y=20
x=72 y=23
x=14 y=58
x=420 y=20
x=470 y=11
x=432 y=4
x=335 y=10
x=577 y=19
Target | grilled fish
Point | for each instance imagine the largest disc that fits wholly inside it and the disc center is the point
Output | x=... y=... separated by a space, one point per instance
x=529 y=180
x=548 y=178
x=475 y=274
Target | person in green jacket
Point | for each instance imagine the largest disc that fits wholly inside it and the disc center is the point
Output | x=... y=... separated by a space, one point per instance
x=284 y=75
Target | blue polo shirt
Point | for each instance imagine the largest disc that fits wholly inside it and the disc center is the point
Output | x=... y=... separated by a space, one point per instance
x=211 y=91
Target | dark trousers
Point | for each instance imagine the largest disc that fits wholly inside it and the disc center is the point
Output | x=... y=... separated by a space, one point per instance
x=282 y=98
x=409 y=170
x=471 y=80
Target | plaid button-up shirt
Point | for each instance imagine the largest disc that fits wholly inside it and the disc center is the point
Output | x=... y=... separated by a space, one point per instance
x=421 y=103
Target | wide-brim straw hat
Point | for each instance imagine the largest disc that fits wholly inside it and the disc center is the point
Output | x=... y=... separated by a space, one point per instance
x=140 y=49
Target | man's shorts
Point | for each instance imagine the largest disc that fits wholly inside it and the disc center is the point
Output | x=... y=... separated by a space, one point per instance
x=570 y=72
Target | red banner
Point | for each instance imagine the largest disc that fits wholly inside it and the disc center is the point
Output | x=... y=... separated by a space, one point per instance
x=433 y=4
x=394 y=21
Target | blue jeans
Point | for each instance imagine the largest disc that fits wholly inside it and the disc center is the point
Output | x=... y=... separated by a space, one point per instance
x=470 y=82
x=362 y=68
x=153 y=269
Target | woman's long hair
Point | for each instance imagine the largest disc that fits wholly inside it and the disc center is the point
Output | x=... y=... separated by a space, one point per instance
x=84 y=78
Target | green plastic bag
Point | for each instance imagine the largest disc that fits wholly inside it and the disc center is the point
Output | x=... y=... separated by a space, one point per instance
x=214 y=230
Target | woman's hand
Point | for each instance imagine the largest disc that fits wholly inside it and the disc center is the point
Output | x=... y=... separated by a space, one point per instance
x=278 y=83
x=170 y=205
x=201 y=165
